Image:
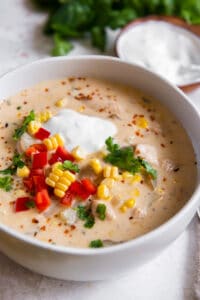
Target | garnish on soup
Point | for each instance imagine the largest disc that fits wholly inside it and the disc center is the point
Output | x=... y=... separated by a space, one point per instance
x=90 y=161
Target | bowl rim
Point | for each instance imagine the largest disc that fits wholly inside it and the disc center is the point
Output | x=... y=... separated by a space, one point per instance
x=176 y=21
x=127 y=244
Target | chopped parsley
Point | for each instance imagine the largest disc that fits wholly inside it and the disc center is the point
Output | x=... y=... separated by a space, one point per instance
x=6 y=183
x=30 y=204
x=68 y=165
x=124 y=158
x=101 y=211
x=17 y=162
x=96 y=244
x=19 y=131
x=85 y=214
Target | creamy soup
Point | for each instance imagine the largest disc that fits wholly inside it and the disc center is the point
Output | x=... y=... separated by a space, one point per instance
x=90 y=163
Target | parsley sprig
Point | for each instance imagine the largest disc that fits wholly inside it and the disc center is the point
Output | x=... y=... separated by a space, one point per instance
x=17 y=162
x=6 y=183
x=68 y=165
x=19 y=131
x=101 y=211
x=96 y=244
x=124 y=158
x=85 y=214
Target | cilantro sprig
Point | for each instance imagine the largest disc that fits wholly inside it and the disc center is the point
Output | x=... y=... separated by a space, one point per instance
x=68 y=165
x=6 y=183
x=85 y=214
x=96 y=244
x=124 y=158
x=17 y=162
x=19 y=131
x=101 y=211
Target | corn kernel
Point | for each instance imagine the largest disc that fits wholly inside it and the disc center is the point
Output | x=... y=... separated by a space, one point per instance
x=57 y=172
x=127 y=175
x=78 y=153
x=123 y=208
x=23 y=172
x=50 y=182
x=59 y=193
x=103 y=192
x=130 y=203
x=109 y=182
x=59 y=139
x=33 y=127
x=81 y=108
x=136 y=178
x=44 y=116
x=96 y=165
x=136 y=193
x=53 y=142
x=61 y=186
x=114 y=173
x=142 y=122
x=107 y=171
x=70 y=176
x=53 y=177
x=64 y=181
x=59 y=103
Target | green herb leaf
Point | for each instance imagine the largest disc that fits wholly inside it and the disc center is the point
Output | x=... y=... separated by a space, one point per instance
x=124 y=159
x=30 y=204
x=17 y=162
x=68 y=165
x=61 y=46
x=96 y=244
x=101 y=211
x=6 y=183
x=19 y=131
x=85 y=214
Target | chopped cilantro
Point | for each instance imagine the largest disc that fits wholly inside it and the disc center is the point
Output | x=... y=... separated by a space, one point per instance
x=30 y=204
x=96 y=244
x=84 y=214
x=19 y=131
x=5 y=183
x=17 y=162
x=124 y=159
x=101 y=211
x=68 y=165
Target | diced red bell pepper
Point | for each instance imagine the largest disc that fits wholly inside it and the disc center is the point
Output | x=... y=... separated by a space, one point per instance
x=42 y=200
x=42 y=134
x=39 y=160
x=67 y=199
x=39 y=182
x=89 y=186
x=78 y=189
x=64 y=154
x=28 y=182
x=35 y=148
x=36 y=172
x=54 y=158
x=20 y=204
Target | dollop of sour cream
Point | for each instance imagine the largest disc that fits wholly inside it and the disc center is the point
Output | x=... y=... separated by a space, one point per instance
x=166 y=49
x=77 y=129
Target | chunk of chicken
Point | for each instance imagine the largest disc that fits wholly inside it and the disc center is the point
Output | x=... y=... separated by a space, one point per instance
x=110 y=214
x=148 y=152
x=25 y=142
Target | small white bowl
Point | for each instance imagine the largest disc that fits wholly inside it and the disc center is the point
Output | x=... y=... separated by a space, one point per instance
x=97 y=264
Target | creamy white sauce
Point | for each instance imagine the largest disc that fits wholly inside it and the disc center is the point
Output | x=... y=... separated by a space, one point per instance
x=166 y=49
x=81 y=130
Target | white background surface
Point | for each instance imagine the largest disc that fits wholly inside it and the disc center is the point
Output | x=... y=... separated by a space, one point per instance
x=168 y=277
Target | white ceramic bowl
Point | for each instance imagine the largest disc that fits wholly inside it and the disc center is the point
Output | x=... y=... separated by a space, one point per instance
x=95 y=264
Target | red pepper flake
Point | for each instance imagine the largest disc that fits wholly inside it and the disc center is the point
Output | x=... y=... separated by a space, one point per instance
x=152 y=118
x=35 y=233
x=63 y=82
x=25 y=102
x=35 y=221
x=73 y=227
x=164 y=179
x=71 y=79
x=171 y=142
x=66 y=231
x=43 y=228
x=46 y=89
x=162 y=145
